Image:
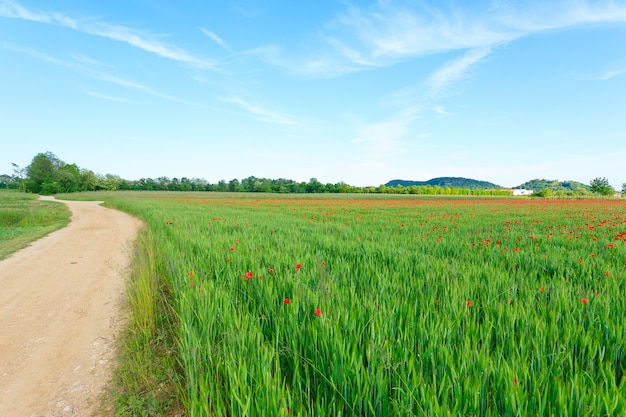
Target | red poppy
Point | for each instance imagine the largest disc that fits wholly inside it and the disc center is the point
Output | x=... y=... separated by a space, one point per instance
x=271 y=270
x=286 y=301
x=298 y=266
x=323 y=263
x=607 y=274
x=541 y=289
x=584 y=300
x=232 y=248
x=317 y=312
x=191 y=273
x=193 y=284
x=468 y=303
x=247 y=276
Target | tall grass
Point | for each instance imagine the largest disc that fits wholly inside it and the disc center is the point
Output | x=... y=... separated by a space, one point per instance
x=391 y=307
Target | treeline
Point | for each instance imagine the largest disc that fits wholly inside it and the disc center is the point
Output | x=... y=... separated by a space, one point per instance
x=48 y=175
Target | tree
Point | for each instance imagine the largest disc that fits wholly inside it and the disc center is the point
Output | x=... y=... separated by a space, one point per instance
x=112 y=182
x=18 y=176
x=69 y=178
x=543 y=193
x=314 y=186
x=42 y=173
x=234 y=185
x=601 y=186
x=222 y=186
x=624 y=188
x=89 y=181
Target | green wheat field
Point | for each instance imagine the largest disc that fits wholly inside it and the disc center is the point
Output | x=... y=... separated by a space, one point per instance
x=334 y=306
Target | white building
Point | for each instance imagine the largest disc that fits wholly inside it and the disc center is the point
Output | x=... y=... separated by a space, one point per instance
x=522 y=191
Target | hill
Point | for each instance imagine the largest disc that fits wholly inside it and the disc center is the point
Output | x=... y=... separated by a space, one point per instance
x=452 y=182
x=555 y=186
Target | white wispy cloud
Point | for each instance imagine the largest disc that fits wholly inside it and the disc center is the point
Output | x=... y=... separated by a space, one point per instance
x=386 y=33
x=145 y=42
x=98 y=75
x=323 y=65
x=143 y=88
x=603 y=76
x=33 y=53
x=107 y=97
x=130 y=36
x=540 y=15
x=612 y=73
x=441 y=110
x=453 y=71
x=377 y=142
x=215 y=38
x=86 y=60
x=10 y=8
x=262 y=114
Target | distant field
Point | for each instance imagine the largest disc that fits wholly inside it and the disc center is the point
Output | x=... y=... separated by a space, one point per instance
x=388 y=307
x=24 y=219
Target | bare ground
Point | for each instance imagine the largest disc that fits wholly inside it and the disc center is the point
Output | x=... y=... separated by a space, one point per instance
x=61 y=308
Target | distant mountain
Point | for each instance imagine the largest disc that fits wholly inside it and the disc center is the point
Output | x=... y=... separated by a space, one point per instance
x=452 y=182
x=555 y=186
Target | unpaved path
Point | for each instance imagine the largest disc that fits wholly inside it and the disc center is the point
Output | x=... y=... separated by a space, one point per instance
x=61 y=303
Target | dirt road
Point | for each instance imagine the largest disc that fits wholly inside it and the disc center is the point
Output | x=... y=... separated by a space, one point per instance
x=61 y=307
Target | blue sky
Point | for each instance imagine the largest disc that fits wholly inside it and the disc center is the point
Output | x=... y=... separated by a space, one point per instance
x=356 y=91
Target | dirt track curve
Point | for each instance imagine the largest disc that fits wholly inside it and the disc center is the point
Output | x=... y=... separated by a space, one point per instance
x=61 y=307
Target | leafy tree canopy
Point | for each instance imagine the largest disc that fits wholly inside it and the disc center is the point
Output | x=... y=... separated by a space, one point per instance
x=601 y=186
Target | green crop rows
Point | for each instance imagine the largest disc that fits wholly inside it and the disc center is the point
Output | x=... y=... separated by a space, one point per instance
x=335 y=307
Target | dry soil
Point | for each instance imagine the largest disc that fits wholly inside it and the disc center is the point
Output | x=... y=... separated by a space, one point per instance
x=61 y=308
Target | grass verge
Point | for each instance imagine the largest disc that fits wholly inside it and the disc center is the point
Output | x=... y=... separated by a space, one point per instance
x=146 y=376
x=24 y=219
